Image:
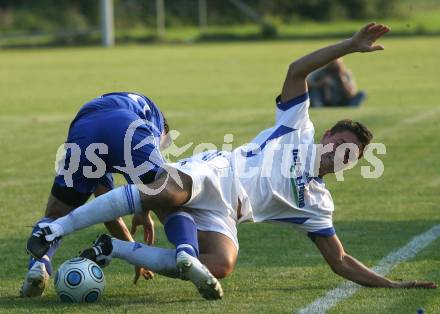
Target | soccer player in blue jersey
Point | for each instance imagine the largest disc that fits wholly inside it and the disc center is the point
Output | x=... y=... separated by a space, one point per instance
x=277 y=178
x=94 y=149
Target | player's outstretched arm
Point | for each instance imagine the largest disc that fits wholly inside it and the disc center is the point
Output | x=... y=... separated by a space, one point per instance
x=348 y=267
x=363 y=41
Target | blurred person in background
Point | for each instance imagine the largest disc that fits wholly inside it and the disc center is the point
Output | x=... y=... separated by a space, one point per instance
x=334 y=85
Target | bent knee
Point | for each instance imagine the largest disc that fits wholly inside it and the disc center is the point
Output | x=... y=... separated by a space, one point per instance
x=221 y=268
x=222 y=272
x=56 y=209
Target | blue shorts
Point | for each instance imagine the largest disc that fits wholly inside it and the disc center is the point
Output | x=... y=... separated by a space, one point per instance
x=109 y=127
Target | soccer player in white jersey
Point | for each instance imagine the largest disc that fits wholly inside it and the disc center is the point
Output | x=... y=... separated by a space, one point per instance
x=275 y=178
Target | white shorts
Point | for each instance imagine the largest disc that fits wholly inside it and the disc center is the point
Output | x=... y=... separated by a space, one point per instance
x=214 y=198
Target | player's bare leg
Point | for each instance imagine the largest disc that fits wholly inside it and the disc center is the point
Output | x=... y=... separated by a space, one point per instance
x=37 y=277
x=172 y=196
x=217 y=252
x=56 y=208
x=129 y=199
x=119 y=202
x=167 y=194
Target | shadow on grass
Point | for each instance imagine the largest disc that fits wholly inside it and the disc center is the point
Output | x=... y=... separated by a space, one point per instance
x=204 y=38
x=266 y=251
x=268 y=245
x=52 y=302
x=231 y=37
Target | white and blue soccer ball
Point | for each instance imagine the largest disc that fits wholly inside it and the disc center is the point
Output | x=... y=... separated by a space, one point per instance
x=79 y=280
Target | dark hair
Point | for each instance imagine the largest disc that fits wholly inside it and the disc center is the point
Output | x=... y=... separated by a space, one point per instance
x=166 y=127
x=361 y=131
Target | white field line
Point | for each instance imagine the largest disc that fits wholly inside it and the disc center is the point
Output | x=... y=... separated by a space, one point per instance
x=434 y=183
x=409 y=121
x=385 y=265
x=48 y=118
x=418 y=243
x=23 y=182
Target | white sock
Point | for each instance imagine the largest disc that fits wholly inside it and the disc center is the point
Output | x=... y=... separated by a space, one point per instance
x=119 y=202
x=158 y=260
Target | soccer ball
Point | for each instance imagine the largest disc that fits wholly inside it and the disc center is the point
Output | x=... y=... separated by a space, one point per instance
x=79 y=280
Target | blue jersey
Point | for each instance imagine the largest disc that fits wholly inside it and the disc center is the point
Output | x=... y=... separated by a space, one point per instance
x=106 y=120
x=139 y=104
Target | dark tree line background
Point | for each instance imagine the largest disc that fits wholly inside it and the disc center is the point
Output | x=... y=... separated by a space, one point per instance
x=51 y=15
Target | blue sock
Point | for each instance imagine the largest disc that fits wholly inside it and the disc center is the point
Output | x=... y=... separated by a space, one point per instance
x=46 y=260
x=181 y=230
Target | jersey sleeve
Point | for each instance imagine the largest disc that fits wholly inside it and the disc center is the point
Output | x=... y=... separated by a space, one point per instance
x=292 y=113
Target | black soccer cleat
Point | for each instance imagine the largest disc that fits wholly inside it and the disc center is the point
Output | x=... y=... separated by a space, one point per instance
x=100 y=251
x=37 y=245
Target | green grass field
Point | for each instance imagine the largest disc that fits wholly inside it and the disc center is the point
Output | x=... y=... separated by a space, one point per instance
x=209 y=90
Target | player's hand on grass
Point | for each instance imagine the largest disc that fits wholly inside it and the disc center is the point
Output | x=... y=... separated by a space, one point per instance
x=415 y=284
x=144 y=272
x=365 y=39
x=144 y=219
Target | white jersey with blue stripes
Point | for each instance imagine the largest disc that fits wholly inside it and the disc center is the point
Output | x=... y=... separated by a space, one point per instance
x=276 y=171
